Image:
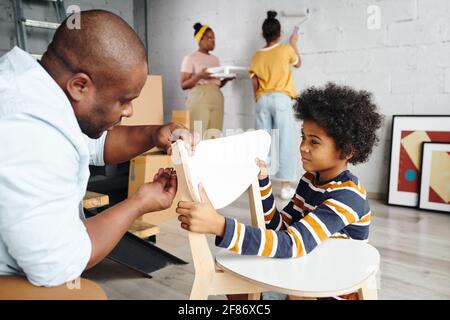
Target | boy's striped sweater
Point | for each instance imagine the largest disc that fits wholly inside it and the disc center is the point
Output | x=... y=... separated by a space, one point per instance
x=319 y=210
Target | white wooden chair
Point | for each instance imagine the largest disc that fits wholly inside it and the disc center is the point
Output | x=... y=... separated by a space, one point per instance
x=337 y=267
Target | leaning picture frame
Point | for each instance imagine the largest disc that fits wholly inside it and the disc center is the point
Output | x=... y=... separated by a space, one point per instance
x=434 y=192
x=407 y=135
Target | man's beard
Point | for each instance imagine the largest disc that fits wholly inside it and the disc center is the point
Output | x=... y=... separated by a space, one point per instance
x=88 y=125
x=90 y=129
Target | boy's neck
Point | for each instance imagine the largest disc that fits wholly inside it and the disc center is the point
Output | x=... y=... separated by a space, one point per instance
x=331 y=173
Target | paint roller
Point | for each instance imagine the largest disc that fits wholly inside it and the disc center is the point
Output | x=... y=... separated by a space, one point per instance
x=301 y=12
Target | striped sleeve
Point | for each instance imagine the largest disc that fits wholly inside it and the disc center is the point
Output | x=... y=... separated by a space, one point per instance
x=274 y=219
x=299 y=238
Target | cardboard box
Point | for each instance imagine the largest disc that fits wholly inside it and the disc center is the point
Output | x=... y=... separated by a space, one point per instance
x=148 y=110
x=142 y=170
x=182 y=117
x=148 y=107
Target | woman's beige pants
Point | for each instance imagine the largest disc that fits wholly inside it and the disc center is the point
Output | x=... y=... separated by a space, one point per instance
x=205 y=104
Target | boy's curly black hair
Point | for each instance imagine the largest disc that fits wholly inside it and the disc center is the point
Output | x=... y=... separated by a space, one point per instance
x=348 y=116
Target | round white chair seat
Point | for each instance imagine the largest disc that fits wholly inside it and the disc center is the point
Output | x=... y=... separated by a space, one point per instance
x=337 y=266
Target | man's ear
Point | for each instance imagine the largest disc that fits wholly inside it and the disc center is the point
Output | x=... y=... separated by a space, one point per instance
x=79 y=85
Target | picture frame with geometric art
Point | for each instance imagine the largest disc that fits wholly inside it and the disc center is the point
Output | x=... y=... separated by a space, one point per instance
x=434 y=192
x=409 y=132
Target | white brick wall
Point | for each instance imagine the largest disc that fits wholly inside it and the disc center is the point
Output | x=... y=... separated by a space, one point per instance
x=421 y=31
x=405 y=63
x=433 y=8
x=417 y=81
x=398 y=10
x=447 y=80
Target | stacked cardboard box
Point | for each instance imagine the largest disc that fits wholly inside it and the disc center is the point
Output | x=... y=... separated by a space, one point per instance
x=148 y=110
x=148 y=107
x=142 y=170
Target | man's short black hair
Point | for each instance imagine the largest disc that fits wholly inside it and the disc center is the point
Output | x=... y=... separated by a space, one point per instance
x=349 y=116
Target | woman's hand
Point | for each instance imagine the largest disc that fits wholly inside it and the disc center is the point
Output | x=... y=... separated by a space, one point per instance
x=225 y=81
x=255 y=86
x=204 y=74
x=189 y=80
x=293 y=39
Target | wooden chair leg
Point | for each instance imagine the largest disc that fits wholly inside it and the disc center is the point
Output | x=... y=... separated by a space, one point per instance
x=254 y=296
x=368 y=291
x=199 y=290
x=300 y=298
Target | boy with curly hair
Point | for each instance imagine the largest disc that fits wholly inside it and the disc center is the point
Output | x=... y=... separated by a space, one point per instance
x=339 y=127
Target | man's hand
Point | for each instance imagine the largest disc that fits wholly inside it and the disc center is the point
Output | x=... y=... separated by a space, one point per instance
x=105 y=230
x=159 y=194
x=201 y=217
x=262 y=169
x=165 y=135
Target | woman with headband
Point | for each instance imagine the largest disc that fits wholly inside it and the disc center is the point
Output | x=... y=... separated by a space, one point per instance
x=205 y=100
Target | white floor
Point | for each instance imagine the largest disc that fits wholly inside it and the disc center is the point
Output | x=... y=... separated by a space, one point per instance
x=414 y=247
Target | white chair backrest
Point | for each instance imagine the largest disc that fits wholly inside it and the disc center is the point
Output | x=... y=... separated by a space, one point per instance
x=226 y=167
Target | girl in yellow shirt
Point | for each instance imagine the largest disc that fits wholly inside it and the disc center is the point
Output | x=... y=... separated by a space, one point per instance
x=274 y=89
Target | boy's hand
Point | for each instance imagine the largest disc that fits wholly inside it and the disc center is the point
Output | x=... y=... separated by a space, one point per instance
x=201 y=217
x=262 y=169
x=159 y=194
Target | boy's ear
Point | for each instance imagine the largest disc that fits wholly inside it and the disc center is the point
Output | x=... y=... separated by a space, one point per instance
x=347 y=155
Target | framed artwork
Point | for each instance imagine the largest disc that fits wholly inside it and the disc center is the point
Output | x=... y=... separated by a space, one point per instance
x=435 y=177
x=408 y=134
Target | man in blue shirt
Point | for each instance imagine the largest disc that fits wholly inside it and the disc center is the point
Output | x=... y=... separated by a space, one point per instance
x=57 y=116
